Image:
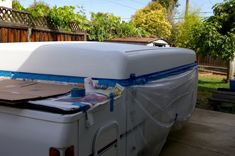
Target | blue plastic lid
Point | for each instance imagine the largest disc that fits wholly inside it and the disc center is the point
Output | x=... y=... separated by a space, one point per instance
x=232 y=84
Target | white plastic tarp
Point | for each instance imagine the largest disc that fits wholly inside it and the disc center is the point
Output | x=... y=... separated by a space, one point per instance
x=153 y=108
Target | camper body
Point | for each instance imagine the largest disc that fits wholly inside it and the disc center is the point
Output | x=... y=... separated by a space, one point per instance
x=145 y=91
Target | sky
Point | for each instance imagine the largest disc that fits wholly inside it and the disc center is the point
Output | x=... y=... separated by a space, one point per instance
x=126 y=8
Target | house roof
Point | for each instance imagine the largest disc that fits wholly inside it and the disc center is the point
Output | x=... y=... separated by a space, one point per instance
x=135 y=39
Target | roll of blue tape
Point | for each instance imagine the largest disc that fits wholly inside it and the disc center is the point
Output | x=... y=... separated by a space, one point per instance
x=78 y=92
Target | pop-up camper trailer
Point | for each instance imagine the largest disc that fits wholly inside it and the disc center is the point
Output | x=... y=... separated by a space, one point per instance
x=88 y=98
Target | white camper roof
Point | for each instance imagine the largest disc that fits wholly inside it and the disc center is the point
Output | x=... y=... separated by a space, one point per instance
x=91 y=59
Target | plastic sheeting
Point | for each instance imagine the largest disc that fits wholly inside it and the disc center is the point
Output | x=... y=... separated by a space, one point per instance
x=150 y=110
x=153 y=108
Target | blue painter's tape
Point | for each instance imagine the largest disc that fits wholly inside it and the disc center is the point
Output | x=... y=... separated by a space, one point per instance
x=167 y=73
x=82 y=107
x=6 y=73
x=138 y=80
x=111 y=103
x=46 y=77
x=133 y=80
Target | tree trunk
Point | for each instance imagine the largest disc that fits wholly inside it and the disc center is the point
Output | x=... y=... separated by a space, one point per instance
x=186 y=8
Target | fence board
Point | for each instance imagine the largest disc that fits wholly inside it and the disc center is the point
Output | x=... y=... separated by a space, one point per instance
x=18 y=37
x=23 y=35
x=4 y=35
x=11 y=35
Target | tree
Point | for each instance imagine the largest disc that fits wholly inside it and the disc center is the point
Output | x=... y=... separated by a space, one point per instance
x=38 y=9
x=61 y=17
x=217 y=34
x=170 y=6
x=105 y=26
x=183 y=34
x=153 y=20
x=127 y=29
x=17 y=6
x=57 y=17
x=224 y=16
x=216 y=37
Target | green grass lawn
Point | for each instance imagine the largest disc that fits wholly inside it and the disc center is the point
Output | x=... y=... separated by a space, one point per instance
x=206 y=84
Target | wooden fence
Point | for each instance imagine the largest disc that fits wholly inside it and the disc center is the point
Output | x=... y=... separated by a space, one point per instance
x=21 y=34
x=19 y=26
x=211 y=62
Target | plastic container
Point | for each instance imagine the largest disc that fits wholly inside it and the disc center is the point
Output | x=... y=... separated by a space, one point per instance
x=232 y=84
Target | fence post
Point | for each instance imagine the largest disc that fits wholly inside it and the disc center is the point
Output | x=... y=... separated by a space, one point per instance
x=231 y=68
x=29 y=33
x=85 y=36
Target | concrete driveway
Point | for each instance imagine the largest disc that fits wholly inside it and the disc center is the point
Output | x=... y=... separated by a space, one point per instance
x=207 y=133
